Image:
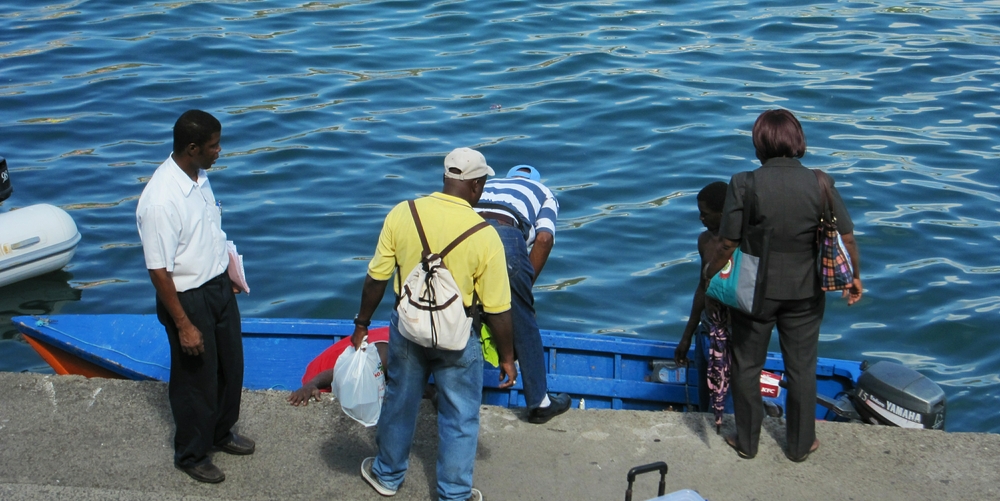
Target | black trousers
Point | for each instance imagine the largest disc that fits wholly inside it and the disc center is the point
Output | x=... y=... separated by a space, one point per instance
x=798 y=324
x=205 y=390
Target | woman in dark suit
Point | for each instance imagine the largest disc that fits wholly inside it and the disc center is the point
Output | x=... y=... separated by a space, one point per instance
x=787 y=201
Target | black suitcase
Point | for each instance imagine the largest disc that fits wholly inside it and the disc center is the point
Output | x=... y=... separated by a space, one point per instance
x=681 y=495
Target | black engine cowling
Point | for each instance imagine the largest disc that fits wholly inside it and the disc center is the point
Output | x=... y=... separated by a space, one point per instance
x=892 y=394
x=5 y=188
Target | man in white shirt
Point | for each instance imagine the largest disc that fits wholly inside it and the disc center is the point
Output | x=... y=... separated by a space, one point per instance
x=184 y=246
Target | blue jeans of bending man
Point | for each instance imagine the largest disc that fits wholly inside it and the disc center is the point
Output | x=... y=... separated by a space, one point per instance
x=527 y=338
x=458 y=376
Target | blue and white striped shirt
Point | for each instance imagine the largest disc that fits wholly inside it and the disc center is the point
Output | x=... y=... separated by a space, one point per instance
x=529 y=202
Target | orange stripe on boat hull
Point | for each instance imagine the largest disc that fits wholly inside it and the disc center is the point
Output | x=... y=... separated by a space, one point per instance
x=65 y=363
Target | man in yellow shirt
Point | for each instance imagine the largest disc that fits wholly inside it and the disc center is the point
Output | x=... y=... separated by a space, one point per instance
x=477 y=265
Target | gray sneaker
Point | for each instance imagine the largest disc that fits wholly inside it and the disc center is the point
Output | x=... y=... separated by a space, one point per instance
x=366 y=473
x=476 y=495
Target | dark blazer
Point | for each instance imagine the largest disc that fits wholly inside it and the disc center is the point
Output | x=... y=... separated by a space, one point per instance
x=788 y=202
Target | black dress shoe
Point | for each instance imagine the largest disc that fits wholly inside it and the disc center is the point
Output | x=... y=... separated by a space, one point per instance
x=237 y=444
x=558 y=405
x=205 y=472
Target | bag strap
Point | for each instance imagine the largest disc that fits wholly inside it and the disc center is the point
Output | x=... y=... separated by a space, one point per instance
x=475 y=313
x=824 y=193
x=399 y=280
x=749 y=199
x=420 y=228
x=468 y=233
x=423 y=242
x=427 y=252
x=454 y=243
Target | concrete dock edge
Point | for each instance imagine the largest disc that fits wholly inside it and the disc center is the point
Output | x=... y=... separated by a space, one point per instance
x=72 y=438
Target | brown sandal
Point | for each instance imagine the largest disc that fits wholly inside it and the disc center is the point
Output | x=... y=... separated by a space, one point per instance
x=812 y=449
x=731 y=441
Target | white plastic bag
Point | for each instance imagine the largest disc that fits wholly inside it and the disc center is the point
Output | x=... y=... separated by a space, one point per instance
x=359 y=383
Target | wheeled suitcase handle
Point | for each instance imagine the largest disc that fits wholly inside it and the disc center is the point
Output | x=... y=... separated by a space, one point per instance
x=646 y=468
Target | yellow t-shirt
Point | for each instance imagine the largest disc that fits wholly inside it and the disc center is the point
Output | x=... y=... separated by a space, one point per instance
x=476 y=262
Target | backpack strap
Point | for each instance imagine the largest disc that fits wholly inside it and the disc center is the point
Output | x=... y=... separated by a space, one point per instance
x=468 y=233
x=399 y=280
x=454 y=243
x=471 y=311
x=420 y=228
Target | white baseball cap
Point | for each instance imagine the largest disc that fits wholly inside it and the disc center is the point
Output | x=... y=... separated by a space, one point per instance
x=470 y=163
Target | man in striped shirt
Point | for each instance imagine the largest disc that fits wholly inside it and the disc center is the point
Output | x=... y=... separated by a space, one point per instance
x=524 y=212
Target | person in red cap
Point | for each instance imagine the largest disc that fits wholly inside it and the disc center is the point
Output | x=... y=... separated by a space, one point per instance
x=319 y=373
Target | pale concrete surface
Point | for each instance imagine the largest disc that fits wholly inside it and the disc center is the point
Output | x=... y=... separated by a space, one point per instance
x=70 y=438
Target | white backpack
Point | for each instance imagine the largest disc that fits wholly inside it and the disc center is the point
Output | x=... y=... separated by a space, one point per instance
x=430 y=308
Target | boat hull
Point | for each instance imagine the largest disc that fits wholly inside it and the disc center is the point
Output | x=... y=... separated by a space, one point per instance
x=35 y=240
x=599 y=372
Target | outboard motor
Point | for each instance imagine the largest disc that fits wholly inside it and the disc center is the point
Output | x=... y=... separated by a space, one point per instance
x=894 y=395
x=5 y=188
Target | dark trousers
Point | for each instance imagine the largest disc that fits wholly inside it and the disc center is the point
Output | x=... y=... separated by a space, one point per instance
x=798 y=324
x=205 y=390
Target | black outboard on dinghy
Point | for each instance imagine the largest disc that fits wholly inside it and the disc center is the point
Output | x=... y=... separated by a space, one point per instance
x=894 y=395
x=5 y=188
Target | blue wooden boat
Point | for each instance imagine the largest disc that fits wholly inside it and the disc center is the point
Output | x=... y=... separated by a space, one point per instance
x=598 y=371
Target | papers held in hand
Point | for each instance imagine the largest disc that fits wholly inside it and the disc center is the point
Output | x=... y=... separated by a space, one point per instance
x=236 y=273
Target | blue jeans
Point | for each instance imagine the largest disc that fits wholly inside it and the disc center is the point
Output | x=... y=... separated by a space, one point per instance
x=527 y=338
x=458 y=376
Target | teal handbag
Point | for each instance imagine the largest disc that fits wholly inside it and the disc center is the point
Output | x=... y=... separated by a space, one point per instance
x=741 y=283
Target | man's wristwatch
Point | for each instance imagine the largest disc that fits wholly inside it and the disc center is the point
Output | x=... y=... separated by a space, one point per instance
x=362 y=323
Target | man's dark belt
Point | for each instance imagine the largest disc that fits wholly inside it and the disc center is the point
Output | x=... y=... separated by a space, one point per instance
x=500 y=218
x=216 y=280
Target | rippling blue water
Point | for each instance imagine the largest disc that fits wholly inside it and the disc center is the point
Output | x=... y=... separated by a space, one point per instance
x=333 y=112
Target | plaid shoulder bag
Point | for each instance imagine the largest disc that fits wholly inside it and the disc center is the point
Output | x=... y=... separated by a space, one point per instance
x=833 y=261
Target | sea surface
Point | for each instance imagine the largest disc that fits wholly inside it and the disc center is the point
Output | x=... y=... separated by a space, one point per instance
x=333 y=112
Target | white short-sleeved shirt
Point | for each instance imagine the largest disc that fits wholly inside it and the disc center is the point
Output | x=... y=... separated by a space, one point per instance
x=181 y=227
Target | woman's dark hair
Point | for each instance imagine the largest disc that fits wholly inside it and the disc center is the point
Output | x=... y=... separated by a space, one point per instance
x=777 y=133
x=194 y=126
